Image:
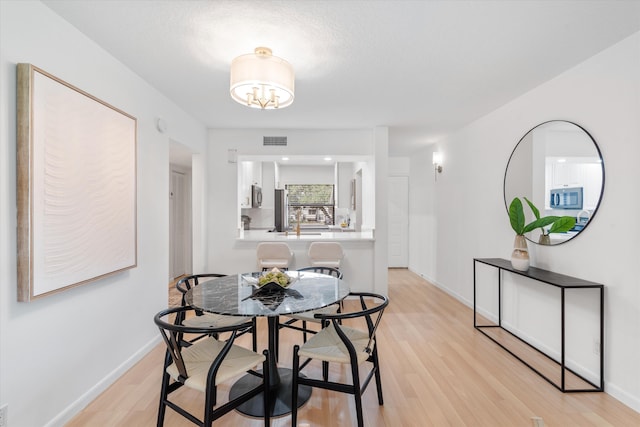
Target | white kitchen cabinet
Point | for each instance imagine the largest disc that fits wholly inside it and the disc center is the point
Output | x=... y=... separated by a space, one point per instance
x=250 y=174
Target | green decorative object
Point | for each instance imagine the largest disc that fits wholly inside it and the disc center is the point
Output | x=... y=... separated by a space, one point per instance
x=547 y=224
x=559 y=224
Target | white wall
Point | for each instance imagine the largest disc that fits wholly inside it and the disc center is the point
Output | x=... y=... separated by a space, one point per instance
x=300 y=174
x=379 y=199
x=344 y=175
x=399 y=166
x=463 y=216
x=59 y=352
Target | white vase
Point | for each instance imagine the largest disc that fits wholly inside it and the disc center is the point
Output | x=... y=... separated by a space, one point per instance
x=520 y=254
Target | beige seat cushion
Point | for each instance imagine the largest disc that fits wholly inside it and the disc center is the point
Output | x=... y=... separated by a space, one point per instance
x=326 y=345
x=325 y=254
x=211 y=320
x=274 y=263
x=325 y=263
x=273 y=255
x=308 y=315
x=198 y=358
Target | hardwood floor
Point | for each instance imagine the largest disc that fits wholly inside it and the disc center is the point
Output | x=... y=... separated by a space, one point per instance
x=437 y=370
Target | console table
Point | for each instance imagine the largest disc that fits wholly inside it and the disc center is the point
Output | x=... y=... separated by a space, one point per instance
x=552 y=279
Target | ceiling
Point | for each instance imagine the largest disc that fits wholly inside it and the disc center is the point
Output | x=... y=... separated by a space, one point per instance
x=422 y=68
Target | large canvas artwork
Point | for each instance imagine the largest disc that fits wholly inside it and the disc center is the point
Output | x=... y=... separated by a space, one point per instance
x=76 y=161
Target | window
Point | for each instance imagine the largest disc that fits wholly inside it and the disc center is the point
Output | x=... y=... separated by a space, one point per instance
x=315 y=203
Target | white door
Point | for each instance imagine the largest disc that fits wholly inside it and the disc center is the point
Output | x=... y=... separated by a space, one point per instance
x=398 y=194
x=177 y=223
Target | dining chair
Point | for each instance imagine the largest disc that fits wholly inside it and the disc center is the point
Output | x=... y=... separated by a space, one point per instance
x=325 y=254
x=273 y=255
x=346 y=345
x=203 y=318
x=309 y=316
x=205 y=364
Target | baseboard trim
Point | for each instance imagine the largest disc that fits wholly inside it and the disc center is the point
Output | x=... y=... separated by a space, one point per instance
x=624 y=397
x=611 y=389
x=74 y=409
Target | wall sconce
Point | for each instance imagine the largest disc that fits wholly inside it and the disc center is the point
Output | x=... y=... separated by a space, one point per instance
x=437 y=163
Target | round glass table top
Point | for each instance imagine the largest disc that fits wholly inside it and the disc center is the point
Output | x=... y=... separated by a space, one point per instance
x=237 y=295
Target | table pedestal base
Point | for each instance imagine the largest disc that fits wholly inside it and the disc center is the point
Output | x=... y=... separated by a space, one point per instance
x=280 y=395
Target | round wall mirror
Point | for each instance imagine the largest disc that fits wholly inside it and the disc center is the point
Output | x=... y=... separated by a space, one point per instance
x=558 y=166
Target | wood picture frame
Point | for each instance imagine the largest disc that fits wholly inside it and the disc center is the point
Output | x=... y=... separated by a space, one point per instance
x=76 y=186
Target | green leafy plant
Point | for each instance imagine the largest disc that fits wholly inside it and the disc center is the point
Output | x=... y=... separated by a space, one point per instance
x=559 y=224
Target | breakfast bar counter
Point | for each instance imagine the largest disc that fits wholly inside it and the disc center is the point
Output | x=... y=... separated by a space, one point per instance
x=358 y=247
x=305 y=235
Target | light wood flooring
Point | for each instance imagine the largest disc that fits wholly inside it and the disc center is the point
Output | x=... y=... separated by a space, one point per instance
x=437 y=370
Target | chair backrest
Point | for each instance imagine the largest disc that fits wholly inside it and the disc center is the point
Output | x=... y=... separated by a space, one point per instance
x=188 y=282
x=324 y=270
x=173 y=331
x=273 y=254
x=372 y=312
x=325 y=254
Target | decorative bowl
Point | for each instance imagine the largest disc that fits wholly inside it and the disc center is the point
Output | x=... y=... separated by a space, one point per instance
x=275 y=276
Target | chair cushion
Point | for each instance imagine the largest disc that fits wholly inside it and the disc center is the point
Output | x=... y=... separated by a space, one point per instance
x=273 y=254
x=326 y=345
x=308 y=315
x=274 y=263
x=325 y=254
x=325 y=263
x=198 y=359
x=211 y=320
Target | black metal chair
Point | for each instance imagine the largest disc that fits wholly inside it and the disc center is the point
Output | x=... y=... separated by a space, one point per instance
x=338 y=343
x=309 y=316
x=208 y=319
x=206 y=363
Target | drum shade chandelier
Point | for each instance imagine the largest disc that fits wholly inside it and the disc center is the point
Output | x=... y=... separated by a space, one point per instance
x=261 y=80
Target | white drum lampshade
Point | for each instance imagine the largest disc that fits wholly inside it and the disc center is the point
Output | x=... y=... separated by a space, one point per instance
x=261 y=80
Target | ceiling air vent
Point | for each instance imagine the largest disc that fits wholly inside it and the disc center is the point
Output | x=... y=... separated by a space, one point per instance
x=274 y=140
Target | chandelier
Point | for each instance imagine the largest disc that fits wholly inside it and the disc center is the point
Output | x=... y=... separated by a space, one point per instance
x=261 y=80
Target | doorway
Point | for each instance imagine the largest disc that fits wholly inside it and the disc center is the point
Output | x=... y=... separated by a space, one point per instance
x=398 y=197
x=180 y=222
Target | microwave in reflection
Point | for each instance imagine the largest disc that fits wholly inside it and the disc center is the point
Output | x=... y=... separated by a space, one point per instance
x=566 y=198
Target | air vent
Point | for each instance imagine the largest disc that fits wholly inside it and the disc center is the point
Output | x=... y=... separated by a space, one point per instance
x=274 y=140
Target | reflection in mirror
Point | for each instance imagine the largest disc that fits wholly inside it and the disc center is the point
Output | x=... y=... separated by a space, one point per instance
x=558 y=166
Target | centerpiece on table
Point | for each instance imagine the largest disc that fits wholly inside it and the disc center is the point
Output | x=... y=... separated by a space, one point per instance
x=275 y=276
x=558 y=224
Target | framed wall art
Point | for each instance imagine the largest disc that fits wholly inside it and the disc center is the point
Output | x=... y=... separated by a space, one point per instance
x=76 y=194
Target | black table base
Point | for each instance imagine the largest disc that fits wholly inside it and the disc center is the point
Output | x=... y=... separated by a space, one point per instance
x=280 y=395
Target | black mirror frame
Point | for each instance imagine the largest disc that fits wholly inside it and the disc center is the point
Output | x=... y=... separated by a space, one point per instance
x=595 y=144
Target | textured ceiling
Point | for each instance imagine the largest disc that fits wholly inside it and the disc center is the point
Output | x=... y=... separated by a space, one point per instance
x=423 y=68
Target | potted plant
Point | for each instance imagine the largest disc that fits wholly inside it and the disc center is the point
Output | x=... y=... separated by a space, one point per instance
x=559 y=224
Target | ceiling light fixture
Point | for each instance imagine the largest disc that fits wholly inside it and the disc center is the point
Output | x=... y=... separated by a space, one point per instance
x=261 y=80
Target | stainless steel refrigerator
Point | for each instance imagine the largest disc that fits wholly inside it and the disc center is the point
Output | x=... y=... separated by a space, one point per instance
x=281 y=210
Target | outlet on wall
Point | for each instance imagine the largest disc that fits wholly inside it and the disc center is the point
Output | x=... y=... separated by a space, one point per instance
x=4 y=410
x=596 y=348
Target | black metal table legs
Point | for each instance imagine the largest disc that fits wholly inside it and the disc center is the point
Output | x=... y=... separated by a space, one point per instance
x=280 y=384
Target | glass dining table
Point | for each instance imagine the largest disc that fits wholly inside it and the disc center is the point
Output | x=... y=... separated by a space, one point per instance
x=238 y=295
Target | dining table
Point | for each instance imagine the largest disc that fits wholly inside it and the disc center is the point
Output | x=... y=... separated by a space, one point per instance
x=240 y=295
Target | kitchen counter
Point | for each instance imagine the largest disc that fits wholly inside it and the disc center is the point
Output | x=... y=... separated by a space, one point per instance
x=307 y=236
x=357 y=264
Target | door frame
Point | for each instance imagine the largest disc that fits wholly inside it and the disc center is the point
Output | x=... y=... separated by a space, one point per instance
x=186 y=227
